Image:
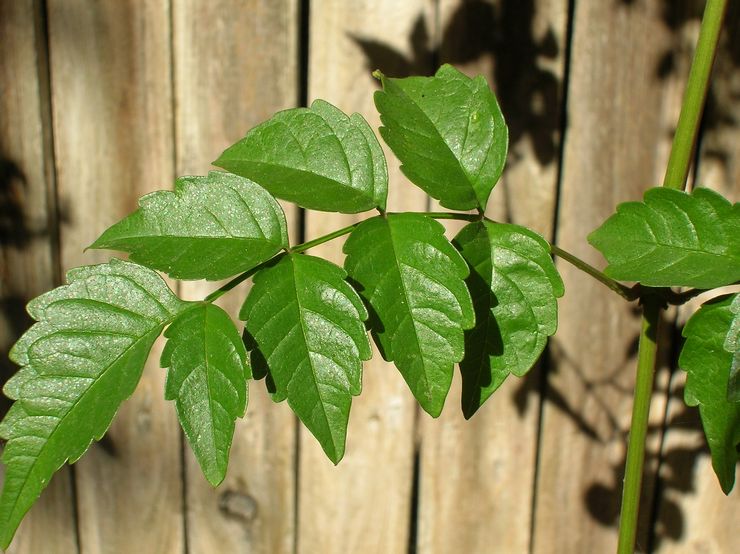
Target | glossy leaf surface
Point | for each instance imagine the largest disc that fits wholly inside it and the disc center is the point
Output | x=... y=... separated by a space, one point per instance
x=732 y=345
x=515 y=286
x=448 y=132
x=306 y=323
x=79 y=362
x=207 y=377
x=673 y=239
x=209 y=228
x=707 y=363
x=413 y=280
x=317 y=157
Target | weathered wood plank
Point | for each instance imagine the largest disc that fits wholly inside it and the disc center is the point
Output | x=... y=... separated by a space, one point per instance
x=27 y=233
x=618 y=123
x=111 y=95
x=477 y=477
x=236 y=64
x=364 y=504
x=693 y=515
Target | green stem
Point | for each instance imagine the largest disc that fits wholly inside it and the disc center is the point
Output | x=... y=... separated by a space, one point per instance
x=647 y=350
x=625 y=292
x=677 y=171
x=695 y=95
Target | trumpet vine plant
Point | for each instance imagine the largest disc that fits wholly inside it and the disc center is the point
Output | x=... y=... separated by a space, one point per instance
x=485 y=301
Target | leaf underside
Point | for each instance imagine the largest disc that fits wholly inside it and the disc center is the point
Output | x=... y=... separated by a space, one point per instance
x=413 y=280
x=515 y=286
x=237 y=223
x=673 y=239
x=79 y=362
x=317 y=157
x=207 y=377
x=306 y=322
x=707 y=364
x=448 y=132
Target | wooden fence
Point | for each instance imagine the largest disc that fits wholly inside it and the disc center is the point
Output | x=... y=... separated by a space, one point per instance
x=103 y=101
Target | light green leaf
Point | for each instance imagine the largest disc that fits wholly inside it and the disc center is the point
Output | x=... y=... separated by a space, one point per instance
x=708 y=366
x=448 y=132
x=673 y=239
x=413 y=279
x=207 y=379
x=316 y=157
x=307 y=325
x=515 y=286
x=79 y=362
x=209 y=228
x=732 y=345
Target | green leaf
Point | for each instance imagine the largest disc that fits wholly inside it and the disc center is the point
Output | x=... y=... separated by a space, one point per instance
x=207 y=379
x=79 y=362
x=307 y=325
x=235 y=221
x=413 y=279
x=673 y=239
x=515 y=286
x=732 y=345
x=448 y=132
x=708 y=366
x=316 y=157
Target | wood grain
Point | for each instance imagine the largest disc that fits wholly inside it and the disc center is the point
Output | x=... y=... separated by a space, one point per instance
x=363 y=504
x=235 y=65
x=28 y=259
x=616 y=115
x=112 y=100
x=477 y=476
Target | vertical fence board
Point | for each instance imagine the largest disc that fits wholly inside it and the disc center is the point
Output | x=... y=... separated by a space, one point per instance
x=27 y=231
x=235 y=64
x=477 y=476
x=693 y=514
x=362 y=505
x=112 y=107
x=617 y=128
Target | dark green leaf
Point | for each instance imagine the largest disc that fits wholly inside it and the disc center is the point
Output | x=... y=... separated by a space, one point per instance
x=673 y=239
x=515 y=286
x=208 y=228
x=448 y=132
x=306 y=323
x=79 y=362
x=207 y=378
x=732 y=345
x=413 y=279
x=708 y=366
x=316 y=157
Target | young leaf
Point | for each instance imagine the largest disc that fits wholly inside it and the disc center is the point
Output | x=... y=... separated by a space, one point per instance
x=732 y=345
x=235 y=221
x=207 y=379
x=307 y=325
x=708 y=366
x=515 y=286
x=448 y=132
x=673 y=239
x=316 y=157
x=79 y=362
x=413 y=279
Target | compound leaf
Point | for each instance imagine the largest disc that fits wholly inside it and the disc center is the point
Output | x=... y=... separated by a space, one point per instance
x=235 y=221
x=306 y=323
x=413 y=279
x=515 y=286
x=707 y=364
x=316 y=157
x=82 y=358
x=673 y=239
x=448 y=132
x=207 y=379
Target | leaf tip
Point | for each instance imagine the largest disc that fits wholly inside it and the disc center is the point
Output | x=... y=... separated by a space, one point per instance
x=378 y=75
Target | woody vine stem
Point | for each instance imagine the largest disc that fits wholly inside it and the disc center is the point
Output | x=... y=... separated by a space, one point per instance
x=676 y=174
